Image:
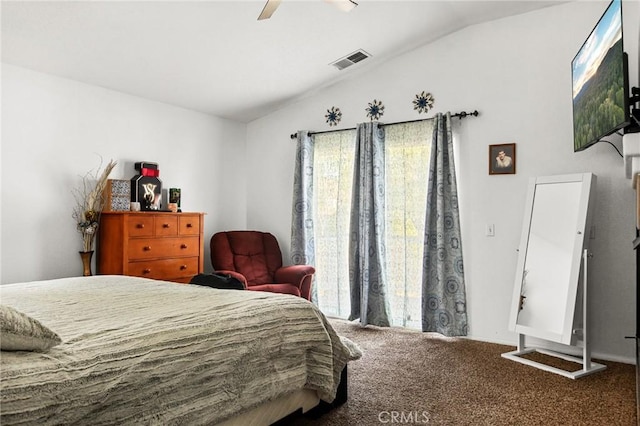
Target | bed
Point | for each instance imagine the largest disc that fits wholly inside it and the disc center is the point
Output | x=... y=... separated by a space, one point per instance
x=141 y=351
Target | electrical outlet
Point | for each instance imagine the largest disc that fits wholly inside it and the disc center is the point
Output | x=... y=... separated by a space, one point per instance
x=490 y=230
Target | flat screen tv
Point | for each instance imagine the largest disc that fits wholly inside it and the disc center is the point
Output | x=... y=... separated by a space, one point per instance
x=600 y=82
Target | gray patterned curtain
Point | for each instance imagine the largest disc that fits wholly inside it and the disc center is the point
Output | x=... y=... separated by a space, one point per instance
x=444 y=307
x=302 y=234
x=366 y=244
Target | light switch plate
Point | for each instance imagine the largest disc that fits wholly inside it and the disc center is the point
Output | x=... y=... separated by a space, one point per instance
x=490 y=230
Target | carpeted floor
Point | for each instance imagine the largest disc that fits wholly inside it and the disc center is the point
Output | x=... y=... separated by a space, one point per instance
x=408 y=377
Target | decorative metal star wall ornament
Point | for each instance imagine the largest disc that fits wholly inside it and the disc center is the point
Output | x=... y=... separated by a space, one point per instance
x=333 y=116
x=375 y=110
x=423 y=102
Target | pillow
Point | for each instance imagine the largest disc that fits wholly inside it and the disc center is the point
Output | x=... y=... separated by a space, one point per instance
x=20 y=332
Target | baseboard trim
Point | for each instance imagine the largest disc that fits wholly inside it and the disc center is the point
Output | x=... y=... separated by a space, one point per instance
x=568 y=350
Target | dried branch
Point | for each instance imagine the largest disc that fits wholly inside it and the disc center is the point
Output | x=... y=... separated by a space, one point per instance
x=89 y=203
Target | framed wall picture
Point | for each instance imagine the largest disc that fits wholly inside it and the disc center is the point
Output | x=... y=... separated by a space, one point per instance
x=502 y=159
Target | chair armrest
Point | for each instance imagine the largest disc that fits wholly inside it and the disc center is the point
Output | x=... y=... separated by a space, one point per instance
x=234 y=274
x=294 y=274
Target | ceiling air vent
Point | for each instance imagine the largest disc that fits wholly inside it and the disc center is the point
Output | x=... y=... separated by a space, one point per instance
x=350 y=59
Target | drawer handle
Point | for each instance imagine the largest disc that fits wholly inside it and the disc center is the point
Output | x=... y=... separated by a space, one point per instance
x=165 y=225
x=183 y=267
x=189 y=225
x=146 y=248
x=183 y=246
x=147 y=271
x=140 y=225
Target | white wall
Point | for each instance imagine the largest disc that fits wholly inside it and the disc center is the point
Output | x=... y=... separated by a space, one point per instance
x=54 y=130
x=517 y=73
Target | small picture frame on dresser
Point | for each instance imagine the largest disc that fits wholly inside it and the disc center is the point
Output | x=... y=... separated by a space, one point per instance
x=174 y=198
x=116 y=195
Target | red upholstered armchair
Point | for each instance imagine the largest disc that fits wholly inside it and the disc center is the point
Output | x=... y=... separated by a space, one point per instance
x=255 y=259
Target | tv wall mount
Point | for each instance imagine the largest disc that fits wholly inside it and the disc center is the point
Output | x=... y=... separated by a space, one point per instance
x=634 y=104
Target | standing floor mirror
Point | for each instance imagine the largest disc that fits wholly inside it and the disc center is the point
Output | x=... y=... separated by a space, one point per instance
x=550 y=293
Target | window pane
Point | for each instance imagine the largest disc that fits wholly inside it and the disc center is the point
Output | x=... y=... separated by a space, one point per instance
x=407 y=150
x=333 y=176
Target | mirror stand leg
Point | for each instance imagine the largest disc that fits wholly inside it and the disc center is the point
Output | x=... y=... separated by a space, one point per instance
x=586 y=349
x=521 y=345
x=588 y=366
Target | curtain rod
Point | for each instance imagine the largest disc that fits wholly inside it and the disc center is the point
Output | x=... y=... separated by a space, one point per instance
x=460 y=115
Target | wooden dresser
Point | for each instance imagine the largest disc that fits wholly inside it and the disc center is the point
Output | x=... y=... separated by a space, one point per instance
x=159 y=245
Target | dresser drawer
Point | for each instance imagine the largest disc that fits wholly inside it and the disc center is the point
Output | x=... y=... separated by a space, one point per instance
x=166 y=225
x=164 y=269
x=189 y=224
x=153 y=248
x=140 y=225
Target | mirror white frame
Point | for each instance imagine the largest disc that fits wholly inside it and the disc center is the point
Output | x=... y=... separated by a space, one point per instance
x=547 y=283
x=550 y=252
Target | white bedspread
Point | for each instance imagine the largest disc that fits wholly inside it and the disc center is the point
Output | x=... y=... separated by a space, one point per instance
x=150 y=352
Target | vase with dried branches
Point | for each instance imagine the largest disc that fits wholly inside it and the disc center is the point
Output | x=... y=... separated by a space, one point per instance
x=89 y=203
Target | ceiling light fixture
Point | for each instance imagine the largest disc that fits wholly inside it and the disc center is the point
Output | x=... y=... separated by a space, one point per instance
x=271 y=6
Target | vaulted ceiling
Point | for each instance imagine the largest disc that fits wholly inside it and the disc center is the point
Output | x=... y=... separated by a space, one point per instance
x=215 y=56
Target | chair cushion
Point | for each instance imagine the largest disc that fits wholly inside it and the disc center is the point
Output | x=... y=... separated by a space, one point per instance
x=276 y=288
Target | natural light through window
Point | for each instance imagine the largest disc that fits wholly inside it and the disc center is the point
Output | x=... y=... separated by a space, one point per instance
x=333 y=177
x=407 y=166
x=407 y=150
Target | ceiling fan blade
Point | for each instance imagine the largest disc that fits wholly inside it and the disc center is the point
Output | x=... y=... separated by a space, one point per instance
x=343 y=5
x=269 y=7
